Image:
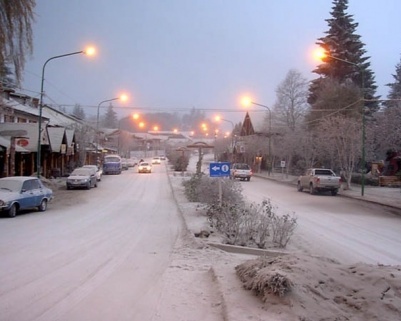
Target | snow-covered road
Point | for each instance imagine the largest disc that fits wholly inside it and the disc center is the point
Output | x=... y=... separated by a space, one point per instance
x=94 y=255
x=344 y=229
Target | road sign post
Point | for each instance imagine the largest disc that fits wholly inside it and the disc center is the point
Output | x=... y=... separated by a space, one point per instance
x=219 y=170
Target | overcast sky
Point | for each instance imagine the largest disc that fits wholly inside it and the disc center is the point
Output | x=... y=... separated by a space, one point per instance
x=177 y=54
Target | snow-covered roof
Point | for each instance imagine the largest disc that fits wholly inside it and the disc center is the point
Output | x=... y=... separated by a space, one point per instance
x=58 y=118
x=26 y=109
x=56 y=135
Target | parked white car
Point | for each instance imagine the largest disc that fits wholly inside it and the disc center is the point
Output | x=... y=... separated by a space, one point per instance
x=99 y=171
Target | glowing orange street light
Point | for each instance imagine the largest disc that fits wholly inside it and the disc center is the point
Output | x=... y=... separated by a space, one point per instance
x=89 y=51
x=141 y=124
x=135 y=116
x=156 y=128
x=319 y=54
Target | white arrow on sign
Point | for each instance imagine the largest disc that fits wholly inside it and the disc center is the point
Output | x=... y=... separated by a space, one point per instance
x=215 y=168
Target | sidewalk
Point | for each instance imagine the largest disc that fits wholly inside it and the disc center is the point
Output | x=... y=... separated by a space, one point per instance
x=389 y=196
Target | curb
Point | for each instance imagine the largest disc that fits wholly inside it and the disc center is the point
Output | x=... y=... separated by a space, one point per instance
x=246 y=250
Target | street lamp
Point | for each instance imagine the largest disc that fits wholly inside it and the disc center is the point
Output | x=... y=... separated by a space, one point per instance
x=123 y=98
x=321 y=54
x=246 y=102
x=218 y=118
x=89 y=51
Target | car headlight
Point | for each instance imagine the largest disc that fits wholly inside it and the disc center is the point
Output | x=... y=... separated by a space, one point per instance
x=2 y=203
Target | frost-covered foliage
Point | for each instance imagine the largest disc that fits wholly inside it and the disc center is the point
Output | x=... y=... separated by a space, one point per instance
x=252 y=225
x=240 y=223
x=204 y=189
x=179 y=159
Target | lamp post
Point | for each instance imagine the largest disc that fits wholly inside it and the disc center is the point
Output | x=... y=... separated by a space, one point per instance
x=38 y=155
x=247 y=101
x=218 y=118
x=322 y=55
x=97 y=121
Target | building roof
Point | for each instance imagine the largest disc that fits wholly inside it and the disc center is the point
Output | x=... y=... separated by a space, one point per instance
x=58 y=118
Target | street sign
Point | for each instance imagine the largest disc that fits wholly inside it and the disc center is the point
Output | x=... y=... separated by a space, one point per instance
x=219 y=169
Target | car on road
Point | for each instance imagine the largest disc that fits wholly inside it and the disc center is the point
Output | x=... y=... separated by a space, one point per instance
x=132 y=162
x=124 y=164
x=99 y=171
x=112 y=164
x=23 y=192
x=241 y=171
x=156 y=160
x=319 y=180
x=82 y=178
x=144 y=167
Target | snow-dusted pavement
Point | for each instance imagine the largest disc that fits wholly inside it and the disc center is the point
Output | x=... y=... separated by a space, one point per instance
x=94 y=255
x=126 y=251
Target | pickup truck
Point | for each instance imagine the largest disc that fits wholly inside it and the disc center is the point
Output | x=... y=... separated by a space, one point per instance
x=319 y=180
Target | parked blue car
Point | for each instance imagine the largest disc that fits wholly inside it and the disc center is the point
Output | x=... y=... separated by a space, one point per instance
x=21 y=193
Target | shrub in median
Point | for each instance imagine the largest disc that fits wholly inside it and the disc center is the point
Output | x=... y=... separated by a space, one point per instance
x=239 y=223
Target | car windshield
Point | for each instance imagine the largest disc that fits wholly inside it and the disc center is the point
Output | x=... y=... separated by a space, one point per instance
x=81 y=172
x=10 y=185
x=144 y=164
x=242 y=166
x=323 y=172
x=91 y=166
x=112 y=159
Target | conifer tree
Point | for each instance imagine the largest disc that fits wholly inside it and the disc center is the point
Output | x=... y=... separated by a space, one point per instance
x=78 y=112
x=395 y=89
x=349 y=66
x=110 y=119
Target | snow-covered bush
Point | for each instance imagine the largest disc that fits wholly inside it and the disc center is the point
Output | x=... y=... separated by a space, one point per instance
x=252 y=225
x=240 y=223
x=204 y=189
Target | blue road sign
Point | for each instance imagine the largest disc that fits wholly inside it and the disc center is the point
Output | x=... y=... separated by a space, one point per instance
x=219 y=169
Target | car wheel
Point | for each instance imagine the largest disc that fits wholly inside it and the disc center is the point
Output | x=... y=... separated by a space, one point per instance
x=43 y=205
x=12 y=211
x=95 y=183
x=312 y=189
x=88 y=186
x=248 y=179
x=299 y=187
x=334 y=192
